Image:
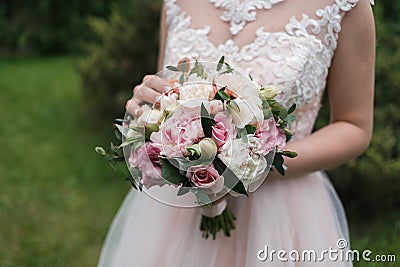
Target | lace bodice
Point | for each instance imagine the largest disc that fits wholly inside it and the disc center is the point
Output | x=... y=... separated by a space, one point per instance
x=296 y=58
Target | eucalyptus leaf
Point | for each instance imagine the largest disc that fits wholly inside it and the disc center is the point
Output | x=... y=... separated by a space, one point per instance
x=222 y=95
x=206 y=121
x=283 y=114
x=172 y=68
x=250 y=129
x=278 y=163
x=292 y=109
x=183 y=66
x=171 y=173
x=220 y=63
x=182 y=191
x=289 y=154
x=203 y=198
x=231 y=181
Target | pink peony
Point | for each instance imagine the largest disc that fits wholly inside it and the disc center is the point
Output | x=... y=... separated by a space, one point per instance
x=146 y=158
x=179 y=132
x=206 y=177
x=224 y=130
x=271 y=136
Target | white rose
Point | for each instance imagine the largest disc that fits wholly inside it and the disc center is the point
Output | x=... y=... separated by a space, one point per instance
x=169 y=102
x=248 y=113
x=241 y=86
x=151 y=115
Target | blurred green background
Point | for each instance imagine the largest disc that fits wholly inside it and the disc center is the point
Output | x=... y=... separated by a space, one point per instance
x=66 y=69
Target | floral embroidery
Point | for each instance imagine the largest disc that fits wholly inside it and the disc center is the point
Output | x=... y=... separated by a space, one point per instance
x=239 y=13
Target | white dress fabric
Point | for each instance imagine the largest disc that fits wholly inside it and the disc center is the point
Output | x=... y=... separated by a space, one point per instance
x=295 y=215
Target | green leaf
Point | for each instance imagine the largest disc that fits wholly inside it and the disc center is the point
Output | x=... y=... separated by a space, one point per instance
x=198 y=69
x=278 y=163
x=289 y=154
x=290 y=118
x=150 y=128
x=220 y=63
x=183 y=65
x=194 y=151
x=230 y=179
x=250 y=129
x=243 y=134
x=283 y=114
x=221 y=95
x=229 y=69
x=206 y=121
x=292 y=109
x=182 y=191
x=182 y=78
x=171 y=173
x=203 y=198
x=172 y=68
x=118 y=134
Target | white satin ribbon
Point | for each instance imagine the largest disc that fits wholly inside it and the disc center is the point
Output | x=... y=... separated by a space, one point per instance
x=214 y=209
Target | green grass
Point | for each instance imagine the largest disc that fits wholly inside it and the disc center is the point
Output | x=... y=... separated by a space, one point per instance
x=57 y=197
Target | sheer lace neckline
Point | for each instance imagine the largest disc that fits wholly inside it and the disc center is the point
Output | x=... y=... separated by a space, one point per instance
x=238 y=13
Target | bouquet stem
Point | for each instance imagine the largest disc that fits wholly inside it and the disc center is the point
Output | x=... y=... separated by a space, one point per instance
x=212 y=225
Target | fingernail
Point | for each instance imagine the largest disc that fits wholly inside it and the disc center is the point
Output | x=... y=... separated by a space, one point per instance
x=136 y=112
x=167 y=88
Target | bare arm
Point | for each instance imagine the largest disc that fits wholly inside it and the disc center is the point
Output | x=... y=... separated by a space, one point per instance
x=350 y=88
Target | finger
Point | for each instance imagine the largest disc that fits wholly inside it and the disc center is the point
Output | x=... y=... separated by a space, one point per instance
x=133 y=108
x=144 y=93
x=158 y=84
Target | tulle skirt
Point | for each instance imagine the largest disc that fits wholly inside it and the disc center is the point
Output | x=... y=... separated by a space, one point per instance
x=286 y=222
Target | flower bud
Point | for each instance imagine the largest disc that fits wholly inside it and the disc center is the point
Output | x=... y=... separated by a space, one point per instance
x=269 y=93
x=208 y=148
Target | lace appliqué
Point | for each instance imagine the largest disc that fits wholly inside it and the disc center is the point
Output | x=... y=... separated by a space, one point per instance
x=239 y=13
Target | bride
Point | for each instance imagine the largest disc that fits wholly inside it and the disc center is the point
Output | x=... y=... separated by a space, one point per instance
x=302 y=47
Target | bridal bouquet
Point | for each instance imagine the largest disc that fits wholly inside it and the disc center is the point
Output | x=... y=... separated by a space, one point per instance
x=214 y=133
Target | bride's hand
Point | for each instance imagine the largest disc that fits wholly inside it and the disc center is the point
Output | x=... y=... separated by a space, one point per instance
x=149 y=91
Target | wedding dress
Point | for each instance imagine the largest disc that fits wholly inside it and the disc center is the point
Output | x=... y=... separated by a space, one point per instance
x=292 y=50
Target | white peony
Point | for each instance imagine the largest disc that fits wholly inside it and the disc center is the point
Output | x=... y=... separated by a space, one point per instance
x=195 y=90
x=242 y=158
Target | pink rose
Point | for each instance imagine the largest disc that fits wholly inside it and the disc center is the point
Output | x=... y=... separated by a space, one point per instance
x=206 y=177
x=179 y=132
x=224 y=130
x=271 y=136
x=146 y=158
